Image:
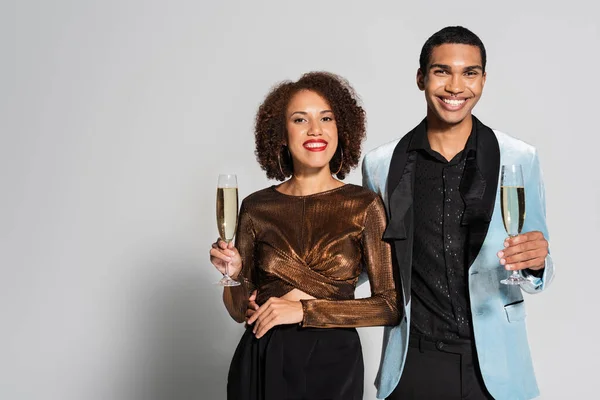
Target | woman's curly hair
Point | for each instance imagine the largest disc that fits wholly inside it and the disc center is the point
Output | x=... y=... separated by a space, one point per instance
x=270 y=129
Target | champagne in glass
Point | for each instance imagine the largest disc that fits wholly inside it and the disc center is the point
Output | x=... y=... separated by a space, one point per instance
x=512 y=200
x=513 y=208
x=227 y=214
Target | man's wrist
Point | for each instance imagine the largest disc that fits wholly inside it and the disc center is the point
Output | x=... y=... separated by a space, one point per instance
x=537 y=273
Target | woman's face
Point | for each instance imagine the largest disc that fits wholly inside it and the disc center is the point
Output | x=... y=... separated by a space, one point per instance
x=312 y=132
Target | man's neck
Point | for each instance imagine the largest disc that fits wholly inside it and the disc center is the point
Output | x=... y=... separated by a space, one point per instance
x=446 y=139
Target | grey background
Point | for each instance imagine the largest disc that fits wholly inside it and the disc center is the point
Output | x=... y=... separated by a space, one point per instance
x=117 y=116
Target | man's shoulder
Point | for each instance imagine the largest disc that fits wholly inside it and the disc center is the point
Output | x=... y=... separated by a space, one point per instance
x=511 y=143
x=382 y=152
x=384 y=148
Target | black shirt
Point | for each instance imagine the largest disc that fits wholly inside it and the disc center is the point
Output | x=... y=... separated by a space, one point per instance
x=440 y=305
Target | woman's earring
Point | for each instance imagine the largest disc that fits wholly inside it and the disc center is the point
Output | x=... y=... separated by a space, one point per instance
x=279 y=160
x=341 y=161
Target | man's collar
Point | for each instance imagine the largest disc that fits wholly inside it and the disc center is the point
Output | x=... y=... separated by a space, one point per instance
x=421 y=142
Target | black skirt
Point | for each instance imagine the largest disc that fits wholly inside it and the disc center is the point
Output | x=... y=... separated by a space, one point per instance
x=290 y=362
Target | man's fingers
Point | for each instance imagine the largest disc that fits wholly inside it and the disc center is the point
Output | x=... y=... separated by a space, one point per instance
x=524 y=247
x=535 y=263
x=528 y=250
x=524 y=237
x=524 y=256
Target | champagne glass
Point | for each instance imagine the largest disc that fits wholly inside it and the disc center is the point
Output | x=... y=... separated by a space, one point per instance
x=512 y=195
x=227 y=215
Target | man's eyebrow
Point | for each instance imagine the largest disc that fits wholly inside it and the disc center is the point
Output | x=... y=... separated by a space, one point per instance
x=448 y=68
x=440 y=66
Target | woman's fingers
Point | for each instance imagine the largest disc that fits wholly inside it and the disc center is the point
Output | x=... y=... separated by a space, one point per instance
x=268 y=323
x=262 y=309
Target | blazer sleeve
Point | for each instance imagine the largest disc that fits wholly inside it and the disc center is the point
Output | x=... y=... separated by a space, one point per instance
x=535 y=220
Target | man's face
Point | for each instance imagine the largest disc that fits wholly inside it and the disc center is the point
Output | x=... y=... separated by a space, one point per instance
x=453 y=82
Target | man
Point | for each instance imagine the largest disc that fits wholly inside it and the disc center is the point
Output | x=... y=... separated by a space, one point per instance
x=463 y=334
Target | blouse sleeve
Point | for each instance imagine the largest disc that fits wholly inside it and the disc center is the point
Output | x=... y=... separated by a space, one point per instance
x=236 y=297
x=379 y=309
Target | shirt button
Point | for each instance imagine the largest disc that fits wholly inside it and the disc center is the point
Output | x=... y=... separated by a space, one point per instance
x=459 y=308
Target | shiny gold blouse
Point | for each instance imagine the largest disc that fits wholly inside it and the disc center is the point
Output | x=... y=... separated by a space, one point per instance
x=318 y=244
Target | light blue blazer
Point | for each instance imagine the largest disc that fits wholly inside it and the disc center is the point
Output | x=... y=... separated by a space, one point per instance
x=498 y=310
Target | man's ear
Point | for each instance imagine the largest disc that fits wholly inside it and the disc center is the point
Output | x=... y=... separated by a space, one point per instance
x=420 y=80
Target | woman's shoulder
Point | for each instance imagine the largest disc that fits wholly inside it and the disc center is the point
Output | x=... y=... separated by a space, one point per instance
x=360 y=192
x=365 y=200
x=259 y=197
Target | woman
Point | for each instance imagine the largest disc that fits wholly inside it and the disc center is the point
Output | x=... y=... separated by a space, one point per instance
x=303 y=244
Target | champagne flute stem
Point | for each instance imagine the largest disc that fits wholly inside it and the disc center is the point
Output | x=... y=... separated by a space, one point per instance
x=227 y=263
x=515 y=273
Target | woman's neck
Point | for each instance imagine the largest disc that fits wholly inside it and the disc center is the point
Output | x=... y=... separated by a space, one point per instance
x=306 y=183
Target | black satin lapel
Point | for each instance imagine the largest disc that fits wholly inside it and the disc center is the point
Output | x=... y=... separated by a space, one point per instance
x=397 y=164
x=400 y=227
x=399 y=184
x=400 y=200
x=478 y=188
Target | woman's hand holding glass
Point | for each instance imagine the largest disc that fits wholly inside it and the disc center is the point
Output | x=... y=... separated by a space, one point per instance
x=221 y=253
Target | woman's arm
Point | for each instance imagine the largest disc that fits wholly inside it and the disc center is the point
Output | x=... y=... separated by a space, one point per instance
x=236 y=298
x=379 y=309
